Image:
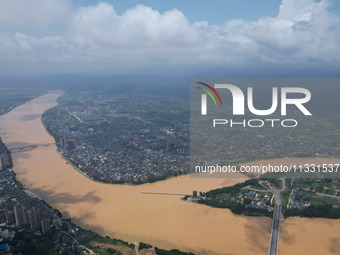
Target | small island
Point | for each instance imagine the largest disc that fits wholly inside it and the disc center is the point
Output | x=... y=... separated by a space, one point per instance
x=299 y=197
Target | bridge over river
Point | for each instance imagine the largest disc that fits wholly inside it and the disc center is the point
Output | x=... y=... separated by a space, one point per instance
x=277 y=217
x=274 y=238
x=29 y=147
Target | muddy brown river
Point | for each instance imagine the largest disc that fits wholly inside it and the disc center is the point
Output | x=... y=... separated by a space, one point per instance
x=122 y=211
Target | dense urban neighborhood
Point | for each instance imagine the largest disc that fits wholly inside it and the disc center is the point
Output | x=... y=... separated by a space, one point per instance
x=28 y=225
x=109 y=144
x=114 y=139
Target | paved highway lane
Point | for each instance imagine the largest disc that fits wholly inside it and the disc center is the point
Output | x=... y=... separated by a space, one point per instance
x=274 y=239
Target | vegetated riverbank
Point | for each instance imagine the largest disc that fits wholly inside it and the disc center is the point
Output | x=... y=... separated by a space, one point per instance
x=13 y=97
x=251 y=199
x=124 y=212
x=25 y=241
x=237 y=199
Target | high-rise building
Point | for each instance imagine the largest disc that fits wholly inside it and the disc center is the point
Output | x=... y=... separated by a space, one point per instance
x=36 y=215
x=10 y=217
x=3 y=161
x=62 y=143
x=90 y=110
x=34 y=218
x=18 y=216
x=45 y=226
x=100 y=110
x=31 y=220
x=70 y=145
x=24 y=216
x=107 y=108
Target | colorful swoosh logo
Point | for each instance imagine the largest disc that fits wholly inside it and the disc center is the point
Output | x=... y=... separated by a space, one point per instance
x=209 y=93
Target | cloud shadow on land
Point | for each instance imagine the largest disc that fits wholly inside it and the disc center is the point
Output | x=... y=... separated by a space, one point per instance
x=82 y=221
x=260 y=240
x=334 y=247
x=67 y=198
x=30 y=117
x=285 y=236
x=61 y=200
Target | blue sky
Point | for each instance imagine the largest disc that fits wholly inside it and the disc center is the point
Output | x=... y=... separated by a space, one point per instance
x=214 y=11
x=158 y=36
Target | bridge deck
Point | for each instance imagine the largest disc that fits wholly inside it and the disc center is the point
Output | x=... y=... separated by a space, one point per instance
x=29 y=147
x=274 y=238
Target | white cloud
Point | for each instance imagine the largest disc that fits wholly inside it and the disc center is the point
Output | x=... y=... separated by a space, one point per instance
x=140 y=30
x=38 y=13
x=303 y=32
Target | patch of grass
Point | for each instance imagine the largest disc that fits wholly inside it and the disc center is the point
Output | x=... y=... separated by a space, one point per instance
x=91 y=236
x=104 y=251
x=258 y=186
x=318 y=200
x=277 y=183
x=285 y=196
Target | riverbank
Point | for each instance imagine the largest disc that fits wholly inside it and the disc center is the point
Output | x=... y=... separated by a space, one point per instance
x=76 y=168
x=243 y=198
x=123 y=212
x=82 y=240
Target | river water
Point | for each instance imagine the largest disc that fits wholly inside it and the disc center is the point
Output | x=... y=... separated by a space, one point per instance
x=122 y=211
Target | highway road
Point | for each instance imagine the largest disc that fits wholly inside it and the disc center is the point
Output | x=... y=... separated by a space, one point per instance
x=274 y=238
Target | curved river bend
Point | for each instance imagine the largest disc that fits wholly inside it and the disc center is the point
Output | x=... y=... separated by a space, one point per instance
x=121 y=211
